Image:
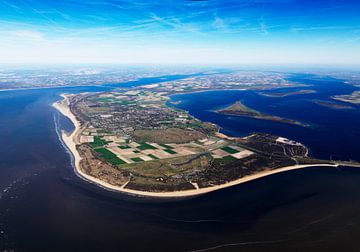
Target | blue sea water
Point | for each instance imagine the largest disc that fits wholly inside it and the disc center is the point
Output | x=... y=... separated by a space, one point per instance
x=44 y=206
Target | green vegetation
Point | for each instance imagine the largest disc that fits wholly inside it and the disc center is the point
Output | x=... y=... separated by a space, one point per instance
x=166 y=146
x=116 y=101
x=146 y=146
x=98 y=142
x=239 y=107
x=109 y=156
x=229 y=150
x=199 y=125
x=137 y=160
x=102 y=99
x=152 y=156
x=228 y=159
x=123 y=147
x=186 y=150
x=167 y=136
x=163 y=167
x=194 y=124
x=101 y=131
x=170 y=151
x=224 y=161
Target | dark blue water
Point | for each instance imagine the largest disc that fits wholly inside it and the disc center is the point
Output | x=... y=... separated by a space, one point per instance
x=45 y=207
x=333 y=133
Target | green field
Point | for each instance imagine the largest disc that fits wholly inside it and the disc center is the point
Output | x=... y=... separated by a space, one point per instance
x=109 y=156
x=163 y=167
x=152 y=156
x=224 y=161
x=123 y=147
x=137 y=160
x=229 y=150
x=146 y=146
x=166 y=146
x=116 y=101
x=170 y=151
x=98 y=142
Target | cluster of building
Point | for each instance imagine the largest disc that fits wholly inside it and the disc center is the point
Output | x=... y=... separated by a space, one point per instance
x=124 y=113
x=70 y=76
x=233 y=80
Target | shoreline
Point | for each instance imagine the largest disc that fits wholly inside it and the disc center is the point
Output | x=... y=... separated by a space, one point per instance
x=71 y=142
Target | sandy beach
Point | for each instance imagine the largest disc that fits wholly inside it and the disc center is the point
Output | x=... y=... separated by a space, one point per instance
x=71 y=142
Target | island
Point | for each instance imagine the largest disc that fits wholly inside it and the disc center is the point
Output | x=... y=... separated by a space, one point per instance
x=332 y=105
x=239 y=109
x=289 y=93
x=353 y=98
x=133 y=142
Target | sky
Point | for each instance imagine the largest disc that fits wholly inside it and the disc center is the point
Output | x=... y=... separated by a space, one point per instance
x=310 y=32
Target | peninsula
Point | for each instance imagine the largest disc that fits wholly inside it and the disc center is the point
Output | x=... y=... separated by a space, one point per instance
x=239 y=109
x=134 y=143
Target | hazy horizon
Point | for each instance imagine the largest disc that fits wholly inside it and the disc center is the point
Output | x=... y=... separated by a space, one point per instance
x=180 y=32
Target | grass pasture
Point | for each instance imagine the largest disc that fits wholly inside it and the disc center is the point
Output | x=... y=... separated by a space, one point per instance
x=98 y=142
x=109 y=156
x=229 y=150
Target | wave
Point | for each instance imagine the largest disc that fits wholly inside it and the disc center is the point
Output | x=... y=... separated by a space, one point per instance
x=59 y=132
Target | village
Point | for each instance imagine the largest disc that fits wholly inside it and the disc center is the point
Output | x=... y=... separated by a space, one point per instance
x=121 y=124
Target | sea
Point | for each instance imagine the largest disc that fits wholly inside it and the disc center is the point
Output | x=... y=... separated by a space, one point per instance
x=44 y=206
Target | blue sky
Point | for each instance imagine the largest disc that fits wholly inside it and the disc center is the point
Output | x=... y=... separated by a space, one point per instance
x=169 y=31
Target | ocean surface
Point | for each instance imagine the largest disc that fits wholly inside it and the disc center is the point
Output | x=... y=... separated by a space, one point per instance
x=44 y=206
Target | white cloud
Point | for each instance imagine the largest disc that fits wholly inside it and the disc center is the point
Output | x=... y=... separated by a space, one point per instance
x=27 y=35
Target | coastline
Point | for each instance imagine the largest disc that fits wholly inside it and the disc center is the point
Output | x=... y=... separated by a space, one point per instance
x=71 y=142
